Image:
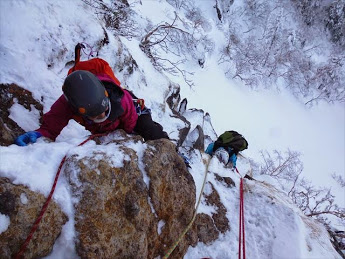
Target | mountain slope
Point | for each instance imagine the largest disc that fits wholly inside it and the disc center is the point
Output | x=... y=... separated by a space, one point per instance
x=36 y=49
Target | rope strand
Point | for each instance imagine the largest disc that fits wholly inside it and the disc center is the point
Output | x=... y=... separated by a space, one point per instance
x=241 y=231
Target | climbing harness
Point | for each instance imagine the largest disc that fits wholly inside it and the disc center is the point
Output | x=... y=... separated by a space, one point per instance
x=241 y=232
x=194 y=216
x=45 y=206
x=139 y=102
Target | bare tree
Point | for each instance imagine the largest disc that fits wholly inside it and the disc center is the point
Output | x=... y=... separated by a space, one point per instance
x=117 y=16
x=180 y=40
x=288 y=167
x=339 y=179
x=158 y=40
x=313 y=201
x=316 y=201
x=329 y=80
x=178 y=4
x=265 y=48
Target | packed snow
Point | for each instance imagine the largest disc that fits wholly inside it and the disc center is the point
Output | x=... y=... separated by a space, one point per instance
x=4 y=222
x=35 y=34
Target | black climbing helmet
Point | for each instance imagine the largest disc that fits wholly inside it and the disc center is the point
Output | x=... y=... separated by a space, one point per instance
x=86 y=93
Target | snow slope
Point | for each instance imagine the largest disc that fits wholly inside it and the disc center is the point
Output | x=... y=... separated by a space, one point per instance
x=37 y=39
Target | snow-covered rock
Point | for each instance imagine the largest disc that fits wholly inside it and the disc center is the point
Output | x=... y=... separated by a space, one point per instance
x=37 y=46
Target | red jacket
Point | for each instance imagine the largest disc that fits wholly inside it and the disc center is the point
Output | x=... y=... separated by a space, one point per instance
x=61 y=112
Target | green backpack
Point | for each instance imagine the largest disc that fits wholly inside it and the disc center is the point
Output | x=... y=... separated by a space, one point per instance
x=231 y=139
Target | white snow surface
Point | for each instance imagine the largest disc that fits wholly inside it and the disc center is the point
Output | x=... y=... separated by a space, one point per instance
x=35 y=34
x=4 y=222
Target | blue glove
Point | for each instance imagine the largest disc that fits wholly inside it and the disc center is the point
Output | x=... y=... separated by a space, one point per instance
x=209 y=149
x=233 y=159
x=28 y=137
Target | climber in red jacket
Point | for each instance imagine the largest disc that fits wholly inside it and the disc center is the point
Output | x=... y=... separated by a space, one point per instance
x=92 y=96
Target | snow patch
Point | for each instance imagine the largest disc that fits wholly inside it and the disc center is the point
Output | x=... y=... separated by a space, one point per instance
x=27 y=120
x=23 y=198
x=161 y=224
x=4 y=222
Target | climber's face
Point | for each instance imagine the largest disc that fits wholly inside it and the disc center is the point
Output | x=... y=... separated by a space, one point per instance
x=99 y=117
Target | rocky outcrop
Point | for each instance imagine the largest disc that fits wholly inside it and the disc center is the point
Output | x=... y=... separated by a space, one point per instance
x=113 y=217
x=173 y=99
x=174 y=96
x=205 y=228
x=22 y=206
x=172 y=192
x=135 y=208
x=198 y=138
x=132 y=199
x=202 y=132
x=220 y=220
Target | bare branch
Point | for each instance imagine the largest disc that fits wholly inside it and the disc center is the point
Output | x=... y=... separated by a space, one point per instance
x=179 y=39
x=331 y=212
x=287 y=169
x=117 y=16
x=339 y=179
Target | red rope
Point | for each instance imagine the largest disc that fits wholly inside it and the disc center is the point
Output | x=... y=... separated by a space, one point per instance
x=45 y=206
x=241 y=234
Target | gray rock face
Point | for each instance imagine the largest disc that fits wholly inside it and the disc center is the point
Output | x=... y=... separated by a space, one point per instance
x=23 y=206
